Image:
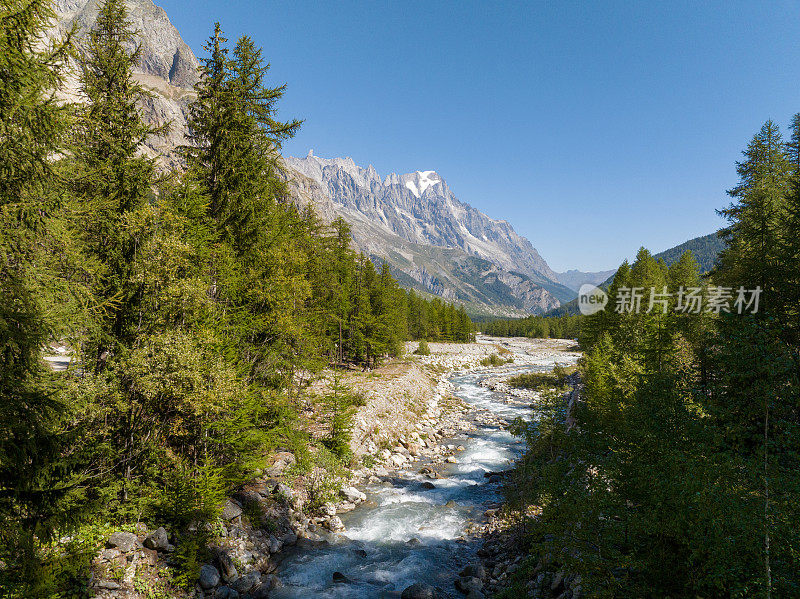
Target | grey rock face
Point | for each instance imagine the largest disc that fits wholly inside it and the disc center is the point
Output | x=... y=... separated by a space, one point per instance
x=431 y=240
x=230 y=510
x=167 y=68
x=247 y=582
x=419 y=207
x=158 y=540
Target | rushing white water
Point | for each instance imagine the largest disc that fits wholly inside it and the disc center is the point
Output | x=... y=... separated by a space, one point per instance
x=406 y=533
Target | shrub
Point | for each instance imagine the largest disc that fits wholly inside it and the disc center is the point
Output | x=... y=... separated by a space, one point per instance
x=423 y=349
x=495 y=360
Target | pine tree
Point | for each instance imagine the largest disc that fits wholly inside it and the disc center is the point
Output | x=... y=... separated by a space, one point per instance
x=756 y=217
x=112 y=180
x=39 y=480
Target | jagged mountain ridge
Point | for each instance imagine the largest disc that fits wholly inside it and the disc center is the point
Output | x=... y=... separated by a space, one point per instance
x=419 y=207
x=432 y=240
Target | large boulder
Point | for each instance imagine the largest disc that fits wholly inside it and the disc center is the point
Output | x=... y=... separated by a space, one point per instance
x=335 y=524
x=124 y=541
x=474 y=571
x=230 y=510
x=469 y=584
x=275 y=545
x=226 y=593
x=419 y=590
x=247 y=582
x=158 y=539
x=209 y=577
x=226 y=566
x=283 y=491
x=283 y=460
x=353 y=495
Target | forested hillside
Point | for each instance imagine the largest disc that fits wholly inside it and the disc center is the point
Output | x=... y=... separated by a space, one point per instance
x=195 y=305
x=705 y=250
x=673 y=473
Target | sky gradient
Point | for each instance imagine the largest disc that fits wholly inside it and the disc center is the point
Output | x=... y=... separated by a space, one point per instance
x=592 y=128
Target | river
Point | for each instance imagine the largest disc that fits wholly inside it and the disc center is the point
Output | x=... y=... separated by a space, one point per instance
x=406 y=533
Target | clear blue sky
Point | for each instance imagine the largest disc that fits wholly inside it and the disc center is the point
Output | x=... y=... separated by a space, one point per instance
x=593 y=128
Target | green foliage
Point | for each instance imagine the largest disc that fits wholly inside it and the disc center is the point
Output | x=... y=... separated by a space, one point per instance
x=422 y=348
x=338 y=406
x=496 y=360
x=536 y=327
x=675 y=473
x=542 y=380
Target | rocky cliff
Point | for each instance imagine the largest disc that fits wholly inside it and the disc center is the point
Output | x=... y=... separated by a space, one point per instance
x=168 y=68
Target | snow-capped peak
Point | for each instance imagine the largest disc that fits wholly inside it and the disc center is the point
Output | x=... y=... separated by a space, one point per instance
x=419 y=181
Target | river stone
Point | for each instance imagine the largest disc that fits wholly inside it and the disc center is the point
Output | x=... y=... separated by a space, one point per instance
x=108 y=585
x=226 y=593
x=468 y=584
x=353 y=495
x=419 y=590
x=335 y=524
x=289 y=538
x=247 y=582
x=275 y=545
x=328 y=509
x=428 y=485
x=209 y=576
x=474 y=570
x=158 y=539
x=398 y=459
x=230 y=510
x=338 y=577
x=227 y=568
x=451 y=459
x=124 y=541
x=282 y=490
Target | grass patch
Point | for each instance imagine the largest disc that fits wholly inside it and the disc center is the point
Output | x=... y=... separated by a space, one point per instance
x=543 y=380
x=495 y=360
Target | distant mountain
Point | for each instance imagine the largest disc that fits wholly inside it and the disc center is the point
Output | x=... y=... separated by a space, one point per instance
x=575 y=278
x=434 y=242
x=705 y=249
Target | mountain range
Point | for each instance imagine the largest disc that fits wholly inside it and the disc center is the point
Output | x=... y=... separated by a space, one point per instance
x=705 y=249
x=432 y=241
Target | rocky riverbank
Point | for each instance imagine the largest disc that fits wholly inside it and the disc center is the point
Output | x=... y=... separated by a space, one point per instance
x=405 y=429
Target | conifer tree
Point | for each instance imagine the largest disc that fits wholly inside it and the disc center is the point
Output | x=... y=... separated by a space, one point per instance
x=756 y=219
x=112 y=180
x=38 y=479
